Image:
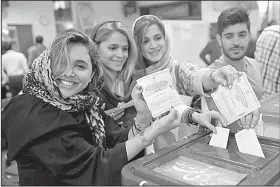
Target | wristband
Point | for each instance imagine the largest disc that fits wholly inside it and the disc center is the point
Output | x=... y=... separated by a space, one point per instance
x=188 y=116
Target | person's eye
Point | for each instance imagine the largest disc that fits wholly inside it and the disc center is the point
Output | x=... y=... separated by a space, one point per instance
x=81 y=66
x=158 y=38
x=112 y=48
x=229 y=37
x=243 y=35
x=146 y=41
x=125 y=49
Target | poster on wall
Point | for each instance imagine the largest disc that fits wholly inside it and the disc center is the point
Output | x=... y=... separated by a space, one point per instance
x=85 y=16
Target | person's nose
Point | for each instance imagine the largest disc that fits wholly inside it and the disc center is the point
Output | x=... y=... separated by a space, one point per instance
x=70 y=73
x=120 y=54
x=236 y=41
x=153 y=44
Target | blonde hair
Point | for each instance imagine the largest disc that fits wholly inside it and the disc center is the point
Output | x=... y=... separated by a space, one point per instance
x=102 y=31
x=59 y=55
x=139 y=27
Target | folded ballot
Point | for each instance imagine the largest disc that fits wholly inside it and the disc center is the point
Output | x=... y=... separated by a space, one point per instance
x=247 y=142
x=159 y=93
x=220 y=139
x=236 y=102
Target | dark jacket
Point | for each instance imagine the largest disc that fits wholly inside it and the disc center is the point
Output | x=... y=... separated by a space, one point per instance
x=52 y=147
x=111 y=101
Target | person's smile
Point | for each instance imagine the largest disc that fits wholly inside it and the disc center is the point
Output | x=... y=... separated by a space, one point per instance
x=154 y=52
x=68 y=84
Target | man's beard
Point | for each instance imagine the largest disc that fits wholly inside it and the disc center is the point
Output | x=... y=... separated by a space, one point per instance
x=227 y=54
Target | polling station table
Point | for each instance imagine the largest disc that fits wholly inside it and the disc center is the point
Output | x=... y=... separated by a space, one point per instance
x=193 y=162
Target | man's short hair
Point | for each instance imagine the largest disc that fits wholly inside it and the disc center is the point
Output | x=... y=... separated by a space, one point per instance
x=39 y=39
x=232 y=16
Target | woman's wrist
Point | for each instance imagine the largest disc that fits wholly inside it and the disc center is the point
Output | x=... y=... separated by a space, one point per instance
x=195 y=117
x=142 y=120
x=208 y=81
x=151 y=133
x=190 y=116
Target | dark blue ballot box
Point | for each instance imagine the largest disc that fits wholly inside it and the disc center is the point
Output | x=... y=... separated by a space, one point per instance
x=270 y=110
x=194 y=162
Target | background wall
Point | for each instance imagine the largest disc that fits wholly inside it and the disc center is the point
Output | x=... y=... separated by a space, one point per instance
x=114 y=11
x=188 y=36
x=29 y=12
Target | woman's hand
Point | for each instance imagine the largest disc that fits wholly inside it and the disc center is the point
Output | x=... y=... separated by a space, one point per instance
x=206 y=117
x=250 y=120
x=144 y=115
x=139 y=102
x=167 y=122
x=117 y=112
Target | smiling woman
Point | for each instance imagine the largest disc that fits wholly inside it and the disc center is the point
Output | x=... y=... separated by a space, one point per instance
x=57 y=132
x=189 y=80
x=79 y=72
x=118 y=55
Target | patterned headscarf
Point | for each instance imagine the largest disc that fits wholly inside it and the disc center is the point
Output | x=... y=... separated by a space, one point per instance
x=40 y=83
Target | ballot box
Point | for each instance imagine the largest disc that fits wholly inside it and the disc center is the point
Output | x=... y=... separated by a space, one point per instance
x=270 y=110
x=194 y=162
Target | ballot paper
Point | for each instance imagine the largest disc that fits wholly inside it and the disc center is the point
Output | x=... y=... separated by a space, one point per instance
x=247 y=142
x=220 y=139
x=236 y=102
x=159 y=93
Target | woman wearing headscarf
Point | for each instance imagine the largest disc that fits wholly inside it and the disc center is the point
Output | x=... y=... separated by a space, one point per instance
x=55 y=129
x=155 y=55
x=118 y=56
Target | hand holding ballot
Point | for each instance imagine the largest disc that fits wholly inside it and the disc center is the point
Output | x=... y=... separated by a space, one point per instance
x=159 y=93
x=221 y=76
x=238 y=103
x=160 y=97
x=206 y=117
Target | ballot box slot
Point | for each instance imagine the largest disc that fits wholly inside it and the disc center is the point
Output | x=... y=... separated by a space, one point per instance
x=235 y=164
x=219 y=155
x=154 y=161
x=235 y=158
